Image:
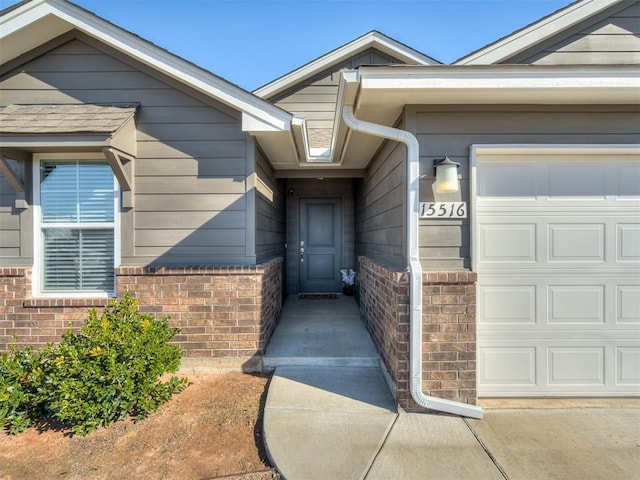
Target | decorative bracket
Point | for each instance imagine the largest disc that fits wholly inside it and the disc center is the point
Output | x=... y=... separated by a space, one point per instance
x=116 y=160
x=15 y=182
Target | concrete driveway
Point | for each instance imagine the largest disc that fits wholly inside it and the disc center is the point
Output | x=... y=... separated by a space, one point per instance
x=562 y=439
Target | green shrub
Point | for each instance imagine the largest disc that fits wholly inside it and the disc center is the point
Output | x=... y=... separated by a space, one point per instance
x=21 y=386
x=107 y=370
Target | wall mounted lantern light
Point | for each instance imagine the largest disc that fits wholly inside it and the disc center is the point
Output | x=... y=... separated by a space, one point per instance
x=446 y=176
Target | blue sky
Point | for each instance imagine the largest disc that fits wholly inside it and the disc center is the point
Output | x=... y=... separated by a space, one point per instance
x=251 y=42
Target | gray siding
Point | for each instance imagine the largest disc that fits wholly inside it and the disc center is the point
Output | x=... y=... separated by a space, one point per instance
x=612 y=37
x=9 y=222
x=329 y=187
x=450 y=131
x=380 y=207
x=270 y=212
x=191 y=169
x=316 y=98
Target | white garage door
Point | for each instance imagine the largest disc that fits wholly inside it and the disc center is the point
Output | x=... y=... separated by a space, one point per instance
x=556 y=242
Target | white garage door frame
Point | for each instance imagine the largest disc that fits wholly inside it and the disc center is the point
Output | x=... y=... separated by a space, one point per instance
x=535 y=360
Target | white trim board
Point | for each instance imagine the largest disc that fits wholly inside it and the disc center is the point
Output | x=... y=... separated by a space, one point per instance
x=536 y=32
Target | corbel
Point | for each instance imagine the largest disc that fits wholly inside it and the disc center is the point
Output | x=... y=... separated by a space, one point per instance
x=15 y=182
x=116 y=160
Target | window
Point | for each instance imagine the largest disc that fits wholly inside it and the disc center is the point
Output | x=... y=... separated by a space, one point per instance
x=76 y=227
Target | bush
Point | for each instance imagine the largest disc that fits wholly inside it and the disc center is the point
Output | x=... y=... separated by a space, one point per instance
x=107 y=370
x=21 y=386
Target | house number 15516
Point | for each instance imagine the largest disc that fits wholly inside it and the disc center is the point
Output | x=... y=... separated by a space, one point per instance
x=443 y=210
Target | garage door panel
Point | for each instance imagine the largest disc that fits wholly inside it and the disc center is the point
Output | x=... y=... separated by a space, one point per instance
x=566 y=181
x=563 y=367
x=512 y=303
x=627 y=304
x=575 y=366
x=502 y=366
x=576 y=242
x=576 y=304
x=518 y=180
x=562 y=240
x=557 y=253
x=628 y=366
x=508 y=243
x=628 y=181
x=628 y=243
x=508 y=304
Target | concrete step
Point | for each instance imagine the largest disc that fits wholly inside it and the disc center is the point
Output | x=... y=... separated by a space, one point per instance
x=272 y=362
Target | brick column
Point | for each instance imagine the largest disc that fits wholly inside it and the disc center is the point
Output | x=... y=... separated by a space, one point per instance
x=448 y=330
x=384 y=307
x=449 y=335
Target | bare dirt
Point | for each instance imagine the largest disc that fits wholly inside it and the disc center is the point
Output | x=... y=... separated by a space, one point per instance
x=213 y=429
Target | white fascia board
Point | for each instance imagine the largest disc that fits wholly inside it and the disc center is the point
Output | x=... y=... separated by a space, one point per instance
x=347 y=95
x=22 y=16
x=148 y=54
x=536 y=32
x=370 y=40
x=497 y=81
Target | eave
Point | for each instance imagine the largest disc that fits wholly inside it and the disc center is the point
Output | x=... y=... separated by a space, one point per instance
x=379 y=94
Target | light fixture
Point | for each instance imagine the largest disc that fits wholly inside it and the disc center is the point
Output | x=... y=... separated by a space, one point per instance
x=446 y=176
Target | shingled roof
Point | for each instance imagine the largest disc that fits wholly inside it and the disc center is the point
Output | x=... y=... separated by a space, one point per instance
x=61 y=119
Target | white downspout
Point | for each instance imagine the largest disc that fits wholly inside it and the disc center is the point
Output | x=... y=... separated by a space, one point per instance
x=415 y=269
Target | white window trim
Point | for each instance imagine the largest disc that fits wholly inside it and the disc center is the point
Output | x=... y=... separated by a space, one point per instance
x=37 y=226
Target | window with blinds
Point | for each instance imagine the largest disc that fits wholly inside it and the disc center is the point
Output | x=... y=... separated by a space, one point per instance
x=77 y=222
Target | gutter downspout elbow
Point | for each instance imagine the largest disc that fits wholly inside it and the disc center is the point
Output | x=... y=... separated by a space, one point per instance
x=415 y=269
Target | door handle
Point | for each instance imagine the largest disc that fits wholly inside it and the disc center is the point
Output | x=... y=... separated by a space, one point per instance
x=301 y=254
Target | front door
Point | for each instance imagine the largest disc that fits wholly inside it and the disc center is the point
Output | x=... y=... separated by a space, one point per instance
x=320 y=244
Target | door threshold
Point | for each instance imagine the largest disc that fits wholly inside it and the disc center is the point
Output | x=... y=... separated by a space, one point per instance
x=317 y=296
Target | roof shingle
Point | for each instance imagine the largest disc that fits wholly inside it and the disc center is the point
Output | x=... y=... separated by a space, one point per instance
x=60 y=119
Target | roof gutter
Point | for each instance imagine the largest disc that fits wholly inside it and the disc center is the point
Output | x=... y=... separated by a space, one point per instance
x=415 y=269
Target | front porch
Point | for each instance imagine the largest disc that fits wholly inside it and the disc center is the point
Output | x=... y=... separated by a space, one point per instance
x=320 y=332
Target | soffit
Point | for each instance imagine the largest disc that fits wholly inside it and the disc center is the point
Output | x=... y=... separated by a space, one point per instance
x=380 y=94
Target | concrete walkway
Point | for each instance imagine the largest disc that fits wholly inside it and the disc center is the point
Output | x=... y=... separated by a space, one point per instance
x=332 y=417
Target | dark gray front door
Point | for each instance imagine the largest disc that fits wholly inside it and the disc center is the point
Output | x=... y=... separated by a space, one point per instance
x=321 y=239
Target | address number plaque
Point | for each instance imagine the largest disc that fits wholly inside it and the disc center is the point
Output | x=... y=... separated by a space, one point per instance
x=443 y=210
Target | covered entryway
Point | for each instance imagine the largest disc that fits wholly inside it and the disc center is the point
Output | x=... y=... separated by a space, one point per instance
x=556 y=240
x=320 y=233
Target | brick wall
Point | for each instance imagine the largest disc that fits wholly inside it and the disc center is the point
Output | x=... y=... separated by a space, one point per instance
x=226 y=314
x=448 y=330
x=35 y=321
x=449 y=335
x=384 y=307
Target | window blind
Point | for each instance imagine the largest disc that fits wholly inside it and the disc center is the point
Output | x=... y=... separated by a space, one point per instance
x=77 y=206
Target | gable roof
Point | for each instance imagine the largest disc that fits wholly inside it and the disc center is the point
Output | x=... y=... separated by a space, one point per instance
x=373 y=39
x=32 y=23
x=535 y=33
